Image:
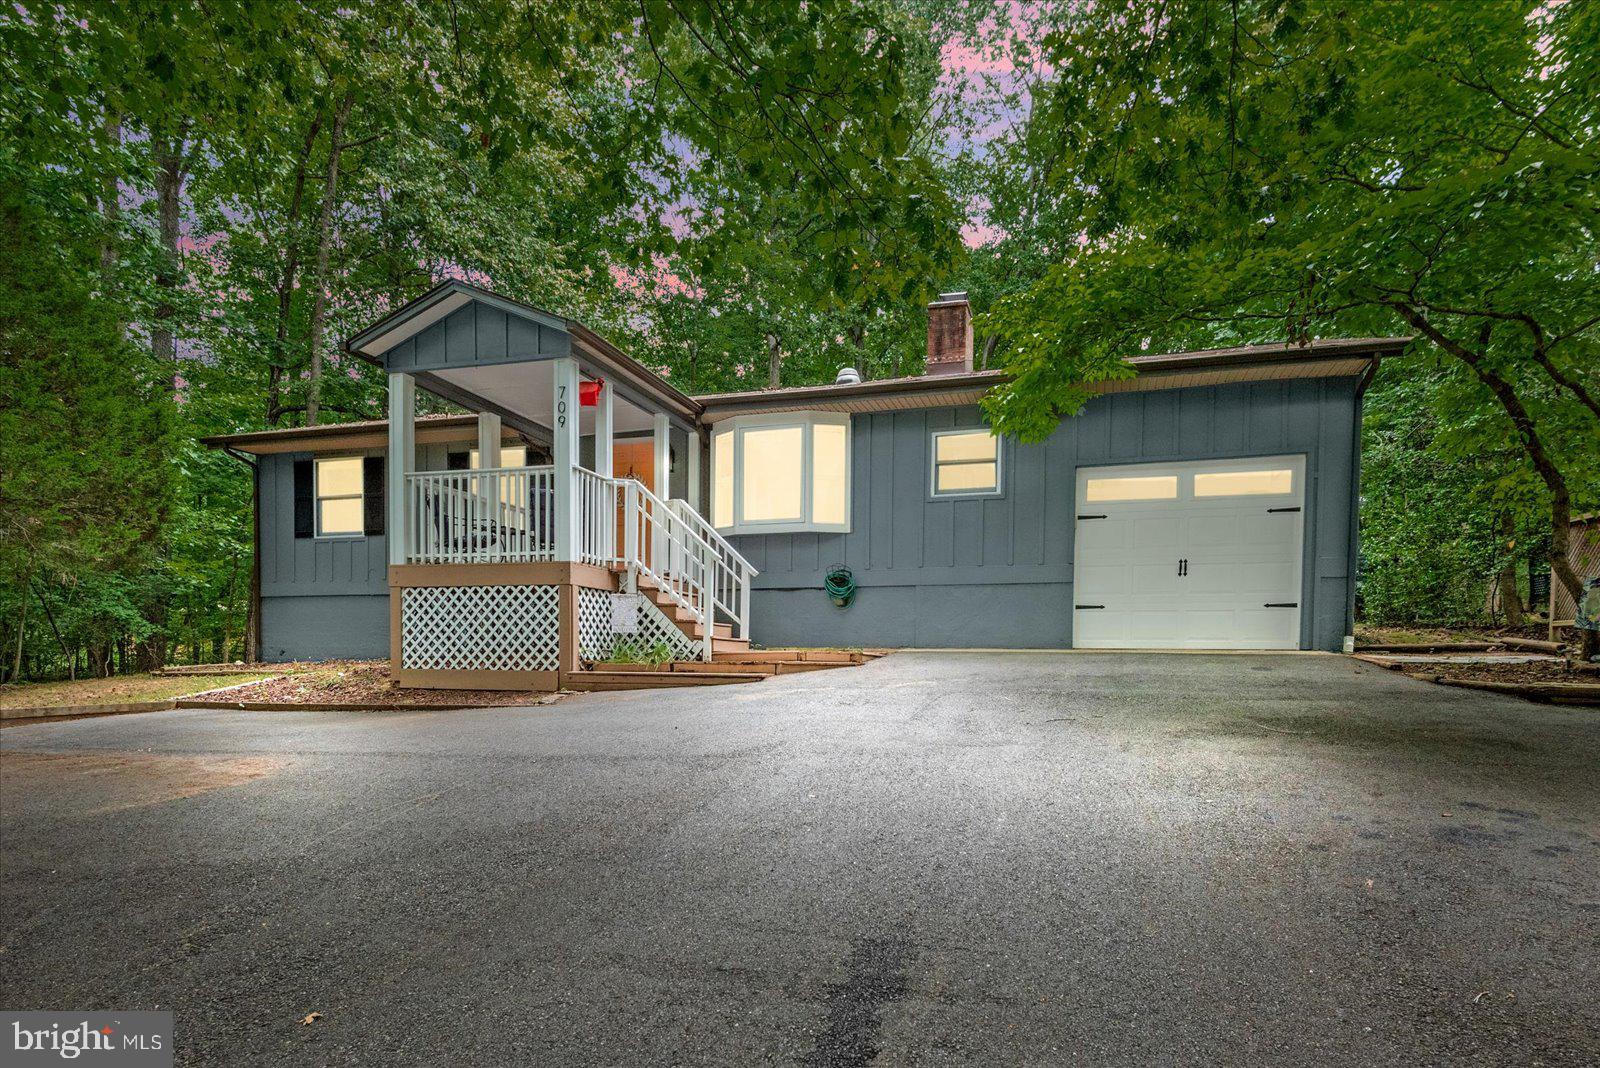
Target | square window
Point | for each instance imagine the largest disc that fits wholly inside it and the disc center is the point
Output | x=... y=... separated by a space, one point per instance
x=966 y=463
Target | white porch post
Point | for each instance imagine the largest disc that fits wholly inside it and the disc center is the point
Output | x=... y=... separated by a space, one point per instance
x=693 y=493
x=488 y=440
x=662 y=472
x=564 y=426
x=402 y=456
x=603 y=433
x=603 y=449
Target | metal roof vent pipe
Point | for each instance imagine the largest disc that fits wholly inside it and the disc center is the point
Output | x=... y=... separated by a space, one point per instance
x=848 y=376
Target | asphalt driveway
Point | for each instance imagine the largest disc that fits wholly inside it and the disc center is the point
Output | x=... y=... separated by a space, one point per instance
x=932 y=859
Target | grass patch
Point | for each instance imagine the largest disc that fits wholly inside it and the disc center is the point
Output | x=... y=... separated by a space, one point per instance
x=121 y=689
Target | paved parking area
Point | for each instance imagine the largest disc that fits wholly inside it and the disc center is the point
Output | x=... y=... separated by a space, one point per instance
x=932 y=859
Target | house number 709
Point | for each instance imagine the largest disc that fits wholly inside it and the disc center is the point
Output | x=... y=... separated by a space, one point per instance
x=561 y=406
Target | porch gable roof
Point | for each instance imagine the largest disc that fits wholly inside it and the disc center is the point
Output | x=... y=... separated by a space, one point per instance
x=458 y=327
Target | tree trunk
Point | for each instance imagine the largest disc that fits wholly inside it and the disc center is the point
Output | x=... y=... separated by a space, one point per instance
x=319 y=296
x=1506 y=581
x=774 y=362
x=286 y=281
x=990 y=343
x=22 y=630
x=169 y=187
x=1555 y=482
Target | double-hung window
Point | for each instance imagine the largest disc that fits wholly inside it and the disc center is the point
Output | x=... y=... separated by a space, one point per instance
x=778 y=473
x=339 y=513
x=966 y=463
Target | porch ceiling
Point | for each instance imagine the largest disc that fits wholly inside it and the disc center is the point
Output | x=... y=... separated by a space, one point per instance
x=527 y=391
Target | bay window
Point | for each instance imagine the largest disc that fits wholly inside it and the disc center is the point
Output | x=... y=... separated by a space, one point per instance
x=772 y=474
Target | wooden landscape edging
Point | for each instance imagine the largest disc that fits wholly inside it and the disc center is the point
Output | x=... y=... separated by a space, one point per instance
x=1582 y=693
x=332 y=706
x=53 y=711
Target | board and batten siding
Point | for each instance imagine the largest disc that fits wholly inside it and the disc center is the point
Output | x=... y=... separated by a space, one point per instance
x=322 y=598
x=474 y=335
x=997 y=571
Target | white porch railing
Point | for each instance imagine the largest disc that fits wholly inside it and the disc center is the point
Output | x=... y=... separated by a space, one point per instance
x=507 y=515
x=497 y=515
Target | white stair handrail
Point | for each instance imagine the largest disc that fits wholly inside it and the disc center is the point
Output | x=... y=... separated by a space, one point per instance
x=733 y=573
x=659 y=545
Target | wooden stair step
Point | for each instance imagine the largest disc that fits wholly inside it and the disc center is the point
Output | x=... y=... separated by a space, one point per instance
x=653 y=679
x=827 y=657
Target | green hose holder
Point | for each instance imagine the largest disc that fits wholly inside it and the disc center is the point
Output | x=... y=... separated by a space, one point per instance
x=840 y=585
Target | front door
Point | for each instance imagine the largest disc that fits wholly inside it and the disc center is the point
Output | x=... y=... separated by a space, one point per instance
x=1200 y=555
x=636 y=460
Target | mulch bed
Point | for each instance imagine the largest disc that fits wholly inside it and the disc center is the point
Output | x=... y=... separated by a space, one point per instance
x=364 y=683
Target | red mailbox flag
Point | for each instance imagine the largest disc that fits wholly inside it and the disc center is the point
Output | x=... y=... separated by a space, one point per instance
x=589 y=393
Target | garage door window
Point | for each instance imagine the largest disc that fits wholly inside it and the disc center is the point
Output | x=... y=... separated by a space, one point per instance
x=966 y=463
x=1141 y=488
x=1273 y=483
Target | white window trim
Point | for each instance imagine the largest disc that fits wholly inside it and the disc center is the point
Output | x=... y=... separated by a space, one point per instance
x=935 y=494
x=805 y=420
x=317 y=499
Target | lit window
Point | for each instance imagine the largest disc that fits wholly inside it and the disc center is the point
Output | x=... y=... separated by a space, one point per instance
x=339 y=511
x=1141 y=488
x=510 y=456
x=722 y=480
x=1243 y=483
x=774 y=484
x=777 y=473
x=965 y=463
x=830 y=442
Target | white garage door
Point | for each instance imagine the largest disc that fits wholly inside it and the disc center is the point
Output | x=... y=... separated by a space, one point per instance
x=1200 y=555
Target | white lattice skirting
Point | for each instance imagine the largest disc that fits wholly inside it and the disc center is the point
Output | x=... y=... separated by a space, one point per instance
x=596 y=640
x=480 y=628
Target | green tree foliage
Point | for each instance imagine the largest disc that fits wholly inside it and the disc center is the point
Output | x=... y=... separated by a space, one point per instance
x=85 y=423
x=1224 y=171
x=256 y=181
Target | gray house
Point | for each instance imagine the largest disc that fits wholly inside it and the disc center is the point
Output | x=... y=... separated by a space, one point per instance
x=1207 y=502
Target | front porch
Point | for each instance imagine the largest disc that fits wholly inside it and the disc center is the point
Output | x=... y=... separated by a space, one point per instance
x=507 y=576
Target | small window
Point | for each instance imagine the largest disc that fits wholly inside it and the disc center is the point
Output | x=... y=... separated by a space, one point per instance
x=1140 y=488
x=1244 y=483
x=510 y=456
x=966 y=463
x=339 y=511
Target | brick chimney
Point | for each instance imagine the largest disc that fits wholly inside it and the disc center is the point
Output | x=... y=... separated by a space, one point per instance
x=949 y=335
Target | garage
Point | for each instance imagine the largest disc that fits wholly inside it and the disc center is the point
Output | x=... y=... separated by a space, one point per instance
x=1195 y=555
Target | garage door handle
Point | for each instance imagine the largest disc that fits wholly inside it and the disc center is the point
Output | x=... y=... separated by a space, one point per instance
x=1296 y=508
x=1093 y=517
x=1281 y=604
x=1088 y=606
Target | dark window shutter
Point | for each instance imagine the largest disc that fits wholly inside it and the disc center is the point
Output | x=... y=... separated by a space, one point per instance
x=304 y=506
x=458 y=461
x=372 y=502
